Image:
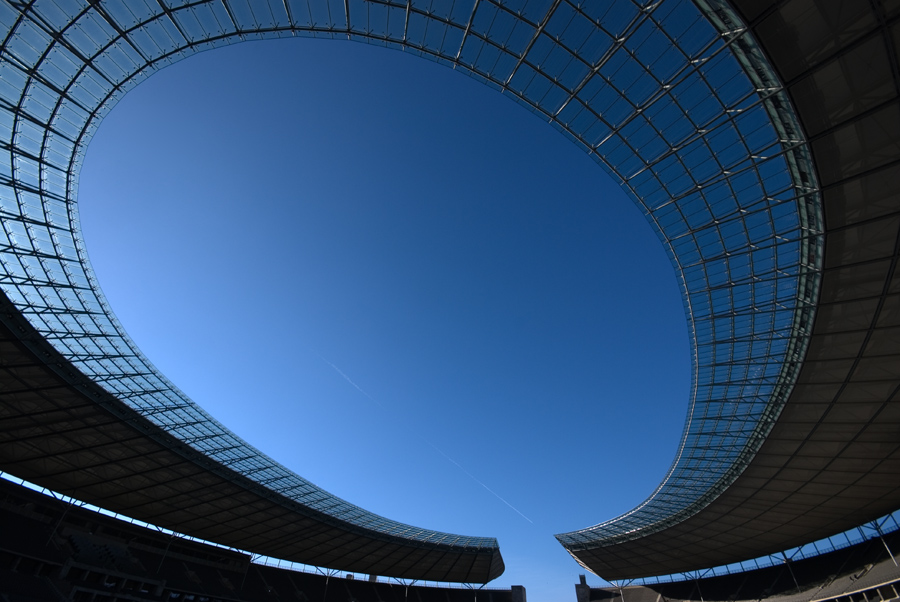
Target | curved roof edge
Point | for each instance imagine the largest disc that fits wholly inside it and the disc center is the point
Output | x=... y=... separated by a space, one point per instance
x=64 y=432
x=708 y=151
x=831 y=459
x=629 y=527
x=715 y=178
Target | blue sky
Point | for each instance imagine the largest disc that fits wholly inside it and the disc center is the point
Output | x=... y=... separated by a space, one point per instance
x=399 y=283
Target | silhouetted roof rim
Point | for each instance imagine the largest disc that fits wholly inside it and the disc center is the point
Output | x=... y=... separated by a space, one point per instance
x=750 y=56
x=829 y=463
x=728 y=188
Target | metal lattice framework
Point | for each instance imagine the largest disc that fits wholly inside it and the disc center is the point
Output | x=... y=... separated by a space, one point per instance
x=674 y=99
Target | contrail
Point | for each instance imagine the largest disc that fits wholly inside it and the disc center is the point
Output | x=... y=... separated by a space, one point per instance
x=432 y=445
x=471 y=476
x=347 y=378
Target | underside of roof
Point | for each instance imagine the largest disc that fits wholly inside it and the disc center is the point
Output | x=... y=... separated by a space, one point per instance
x=832 y=460
x=60 y=430
x=766 y=158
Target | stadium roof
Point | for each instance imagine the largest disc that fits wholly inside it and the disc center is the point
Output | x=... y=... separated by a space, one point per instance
x=832 y=457
x=771 y=185
x=65 y=432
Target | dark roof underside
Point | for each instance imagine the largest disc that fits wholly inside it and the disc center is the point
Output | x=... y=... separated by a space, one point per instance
x=832 y=461
x=61 y=431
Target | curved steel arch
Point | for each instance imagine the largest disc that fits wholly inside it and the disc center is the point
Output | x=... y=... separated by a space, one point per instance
x=675 y=101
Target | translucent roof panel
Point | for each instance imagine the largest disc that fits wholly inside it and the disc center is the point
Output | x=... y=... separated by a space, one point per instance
x=673 y=101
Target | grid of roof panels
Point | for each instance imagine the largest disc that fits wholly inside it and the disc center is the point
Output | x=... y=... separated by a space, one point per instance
x=64 y=431
x=831 y=461
x=674 y=101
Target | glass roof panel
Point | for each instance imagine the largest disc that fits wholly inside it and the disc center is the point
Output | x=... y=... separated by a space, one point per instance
x=653 y=90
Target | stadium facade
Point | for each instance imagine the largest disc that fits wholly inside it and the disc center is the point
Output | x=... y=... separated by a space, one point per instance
x=759 y=138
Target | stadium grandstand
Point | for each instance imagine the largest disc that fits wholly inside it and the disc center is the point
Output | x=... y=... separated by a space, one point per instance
x=51 y=549
x=761 y=139
x=864 y=572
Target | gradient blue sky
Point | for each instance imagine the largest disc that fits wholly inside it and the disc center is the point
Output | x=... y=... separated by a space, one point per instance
x=270 y=215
